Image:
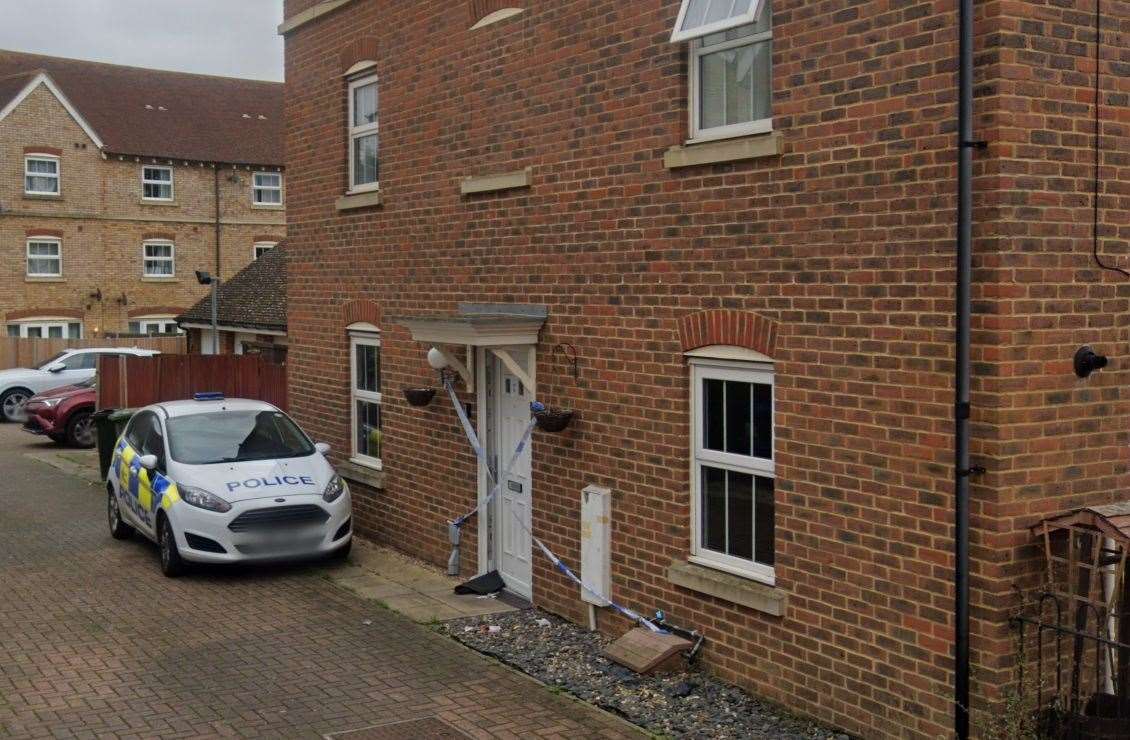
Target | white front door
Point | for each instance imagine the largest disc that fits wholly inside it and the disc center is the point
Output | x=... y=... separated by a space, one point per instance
x=512 y=512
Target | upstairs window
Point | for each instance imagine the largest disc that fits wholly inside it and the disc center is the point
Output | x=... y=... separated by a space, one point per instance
x=159 y=259
x=730 y=66
x=44 y=257
x=41 y=175
x=364 y=134
x=733 y=504
x=157 y=183
x=261 y=248
x=267 y=189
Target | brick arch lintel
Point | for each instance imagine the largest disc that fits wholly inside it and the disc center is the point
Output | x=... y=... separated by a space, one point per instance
x=155 y=311
x=66 y=313
x=480 y=9
x=728 y=327
x=362 y=50
x=159 y=235
x=356 y=312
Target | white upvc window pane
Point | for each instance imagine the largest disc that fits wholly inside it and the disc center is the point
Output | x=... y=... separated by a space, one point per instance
x=364 y=128
x=267 y=188
x=734 y=526
x=44 y=258
x=41 y=175
x=731 y=82
x=698 y=18
x=157 y=183
x=158 y=258
x=262 y=248
x=365 y=384
x=366 y=166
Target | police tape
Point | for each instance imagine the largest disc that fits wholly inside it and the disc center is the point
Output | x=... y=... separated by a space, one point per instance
x=558 y=563
x=481 y=454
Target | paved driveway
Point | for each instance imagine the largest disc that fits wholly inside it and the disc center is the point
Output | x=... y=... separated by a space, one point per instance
x=95 y=642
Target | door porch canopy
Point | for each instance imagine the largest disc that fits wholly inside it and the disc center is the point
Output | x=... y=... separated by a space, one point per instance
x=493 y=326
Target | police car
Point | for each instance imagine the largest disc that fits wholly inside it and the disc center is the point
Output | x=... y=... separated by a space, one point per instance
x=216 y=480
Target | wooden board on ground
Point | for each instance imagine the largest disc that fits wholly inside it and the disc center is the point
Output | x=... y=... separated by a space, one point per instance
x=645 y=651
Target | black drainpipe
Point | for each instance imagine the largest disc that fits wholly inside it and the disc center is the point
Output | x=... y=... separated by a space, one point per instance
x=962 y=470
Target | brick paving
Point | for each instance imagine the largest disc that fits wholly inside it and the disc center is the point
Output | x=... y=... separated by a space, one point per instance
x=95 y=642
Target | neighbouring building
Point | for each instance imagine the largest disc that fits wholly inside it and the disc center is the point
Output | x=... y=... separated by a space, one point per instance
x=250 y=312
x=725 y=239
x=117 y=183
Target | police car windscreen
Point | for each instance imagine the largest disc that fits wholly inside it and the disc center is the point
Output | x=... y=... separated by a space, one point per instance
x=235 y=436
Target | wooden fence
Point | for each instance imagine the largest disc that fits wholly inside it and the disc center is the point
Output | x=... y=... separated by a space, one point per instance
x=16 y=352
x=133 y=382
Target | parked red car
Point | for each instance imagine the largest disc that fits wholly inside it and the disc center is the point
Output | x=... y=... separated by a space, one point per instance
x=63 y=414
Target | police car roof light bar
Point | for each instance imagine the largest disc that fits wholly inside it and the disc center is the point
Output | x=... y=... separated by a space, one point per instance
x=210 y=396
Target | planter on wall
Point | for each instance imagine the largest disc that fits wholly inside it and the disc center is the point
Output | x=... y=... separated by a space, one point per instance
x=551 y=419
x=419 y=397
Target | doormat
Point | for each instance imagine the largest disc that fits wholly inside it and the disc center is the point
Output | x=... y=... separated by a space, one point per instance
x=488 y=583
x=412 y=729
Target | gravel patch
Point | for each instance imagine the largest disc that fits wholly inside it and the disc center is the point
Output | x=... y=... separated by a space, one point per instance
x=689 y=704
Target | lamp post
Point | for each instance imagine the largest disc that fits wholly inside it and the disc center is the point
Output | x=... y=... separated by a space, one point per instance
x=205 y=278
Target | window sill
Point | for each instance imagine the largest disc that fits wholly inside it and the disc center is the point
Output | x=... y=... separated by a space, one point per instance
x=151 y=279
x=44 y=279
x=494 y=183
x=266 y=207
x=149 y=202
x=363 y=474
x=724 y=150
x=735 y=589
x=351 y=201
x=42 y=196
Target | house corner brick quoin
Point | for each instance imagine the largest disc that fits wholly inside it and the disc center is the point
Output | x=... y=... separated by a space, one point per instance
x=784 y=289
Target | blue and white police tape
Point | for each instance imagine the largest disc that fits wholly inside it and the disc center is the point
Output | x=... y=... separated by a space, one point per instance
x=480 y=453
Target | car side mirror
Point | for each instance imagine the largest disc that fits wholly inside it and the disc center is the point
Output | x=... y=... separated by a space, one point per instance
x=149 y=462
x=58 y=367
x=322 y=448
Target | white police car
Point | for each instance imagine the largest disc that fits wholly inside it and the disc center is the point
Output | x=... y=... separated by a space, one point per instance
x=217 y=480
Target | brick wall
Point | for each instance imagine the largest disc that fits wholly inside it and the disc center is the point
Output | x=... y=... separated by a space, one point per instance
x=843 y=244
x=102 y=220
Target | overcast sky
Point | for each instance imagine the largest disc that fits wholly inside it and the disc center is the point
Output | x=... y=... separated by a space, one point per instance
x=236 y=38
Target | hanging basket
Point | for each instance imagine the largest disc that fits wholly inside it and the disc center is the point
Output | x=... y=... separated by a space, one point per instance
x=553 y=419
x=419 y=397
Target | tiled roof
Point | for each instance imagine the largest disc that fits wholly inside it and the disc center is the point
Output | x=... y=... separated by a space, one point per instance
x=254 y=298
x=172 y=115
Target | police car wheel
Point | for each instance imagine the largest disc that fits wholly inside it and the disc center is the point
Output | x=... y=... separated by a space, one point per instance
x=171 y=563
x=119 y=530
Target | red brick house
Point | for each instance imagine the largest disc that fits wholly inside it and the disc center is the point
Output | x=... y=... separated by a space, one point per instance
x=725 y=240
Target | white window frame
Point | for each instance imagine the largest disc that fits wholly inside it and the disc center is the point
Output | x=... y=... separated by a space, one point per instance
x=158 y=322
x=45 y=324
x=369 y=336
x=256 y=189
x=170 y=182
x=145 y=258
x=57 y=176
x=748 y=128
x=743 y=372
x=258 y=249
x=57 y=242
x=742 y=19
x=356 y=132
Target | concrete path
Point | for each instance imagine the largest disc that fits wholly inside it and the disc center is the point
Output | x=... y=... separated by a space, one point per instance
x=95 y=642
